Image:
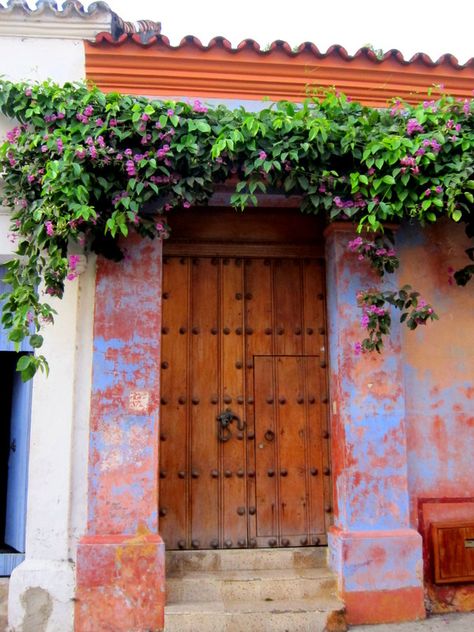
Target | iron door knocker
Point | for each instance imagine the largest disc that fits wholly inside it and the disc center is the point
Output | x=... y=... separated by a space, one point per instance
x=224 y=432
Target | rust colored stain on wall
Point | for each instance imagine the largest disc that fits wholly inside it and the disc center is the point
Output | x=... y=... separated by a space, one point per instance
x=248 y=73
x=439 y=374
x=120 y=585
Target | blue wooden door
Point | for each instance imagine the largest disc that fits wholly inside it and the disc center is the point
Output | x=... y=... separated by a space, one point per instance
x=17 y=475
x=17 y=464
x=5 y=344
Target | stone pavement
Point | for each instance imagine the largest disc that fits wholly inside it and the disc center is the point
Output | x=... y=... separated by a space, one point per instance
x=462 y=622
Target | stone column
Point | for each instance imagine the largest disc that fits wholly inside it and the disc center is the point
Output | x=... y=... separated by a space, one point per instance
x=120 y=561
x=377 y=556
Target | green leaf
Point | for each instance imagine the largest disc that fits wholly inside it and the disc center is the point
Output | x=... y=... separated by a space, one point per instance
x=36 y=341
x=303 y=182
x=28 y=372
x=456 y=215
x=23 y=362
x=202 y=126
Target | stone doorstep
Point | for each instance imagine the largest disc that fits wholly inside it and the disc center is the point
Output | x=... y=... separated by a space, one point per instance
x=230 y=586
x=245 y=559
x=307 y=615
x=4 y=582
x=256 y=590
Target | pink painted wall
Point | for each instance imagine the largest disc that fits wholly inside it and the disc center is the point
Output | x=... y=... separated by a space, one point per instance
x=439 y=395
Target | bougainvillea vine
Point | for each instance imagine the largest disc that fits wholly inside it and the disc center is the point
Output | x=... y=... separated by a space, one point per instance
x=87 y=167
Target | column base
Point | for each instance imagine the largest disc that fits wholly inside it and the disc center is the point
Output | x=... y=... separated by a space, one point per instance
x=41 y=596
x=120 y=584
x=380 y=574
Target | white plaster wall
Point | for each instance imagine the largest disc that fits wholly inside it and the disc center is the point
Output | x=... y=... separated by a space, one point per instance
x=38 y=59
x=42 y=588
x=6 y=246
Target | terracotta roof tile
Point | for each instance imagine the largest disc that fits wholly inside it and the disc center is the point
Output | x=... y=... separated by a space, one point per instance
x=148 y=64
x=251 y=44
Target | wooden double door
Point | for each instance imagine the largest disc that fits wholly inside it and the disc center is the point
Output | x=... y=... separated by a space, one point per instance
x=244 y=446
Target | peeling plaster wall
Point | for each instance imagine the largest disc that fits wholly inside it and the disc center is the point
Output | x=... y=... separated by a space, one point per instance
x=439 y=387
x=42 y=587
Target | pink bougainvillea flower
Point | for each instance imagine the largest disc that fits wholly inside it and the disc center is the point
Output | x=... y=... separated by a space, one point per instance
x=49 y=228
x=413 y=126
x=199 y=107
x=73 y=260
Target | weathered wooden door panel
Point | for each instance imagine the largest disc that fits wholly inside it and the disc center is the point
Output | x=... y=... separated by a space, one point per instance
x=287 y=281
x=203 y=386
x=175 y=427
x=289 y=456
x=318 y=470
x=234 y=465
x=246 y=336
x=265 y=448
x=291 y=438
x=258 y=320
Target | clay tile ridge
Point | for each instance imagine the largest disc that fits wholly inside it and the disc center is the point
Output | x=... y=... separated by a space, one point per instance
x=68 y=9
x=74 y=8
x=190 y=41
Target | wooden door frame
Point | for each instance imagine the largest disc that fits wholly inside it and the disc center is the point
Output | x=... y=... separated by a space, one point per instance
x=257 y=248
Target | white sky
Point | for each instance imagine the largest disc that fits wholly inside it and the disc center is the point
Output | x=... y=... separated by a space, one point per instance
x=431 y=26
